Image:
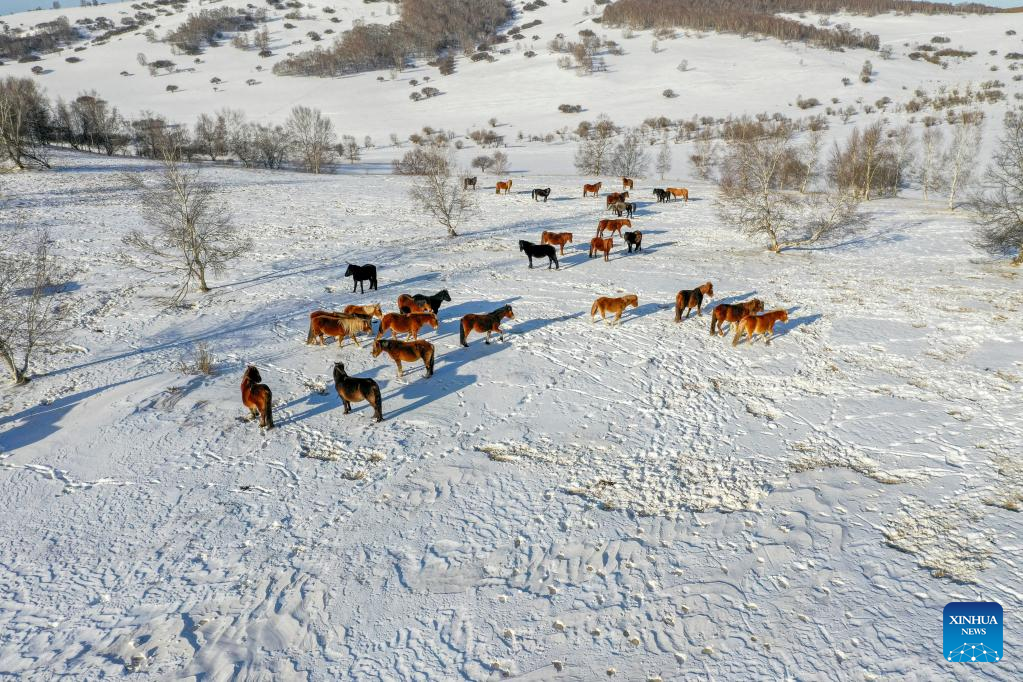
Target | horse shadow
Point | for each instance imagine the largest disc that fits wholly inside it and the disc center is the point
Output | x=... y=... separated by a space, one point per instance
x=652 y=248
x=573 y=259
x=531 y=325
x=303 y=269
x=404 y=284
x=478 y=307
x=646 y=309
x=795 y=322
x=318 y=404
x=732 y=299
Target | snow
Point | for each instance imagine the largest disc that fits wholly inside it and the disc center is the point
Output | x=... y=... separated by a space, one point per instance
x=576 y=501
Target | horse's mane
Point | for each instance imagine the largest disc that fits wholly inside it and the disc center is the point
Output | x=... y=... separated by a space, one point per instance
x=500 y=311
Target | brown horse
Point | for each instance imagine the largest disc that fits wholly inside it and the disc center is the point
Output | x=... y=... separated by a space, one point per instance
x=678 y=192
x=324 y=323
x=356 y=389
x=759 y=324
x=556 y=239
x=410 y=304
x=408 y=351
x=257 y=397
x=364 y=310
x=598 y=244
x=594 y=188
x=489 y=323
x=687 y=299
x=399 y=323
x=627 y=183
x=733 y=312
x=616 y=305
x=615 y=197
x=506 y=186
x=613 y=225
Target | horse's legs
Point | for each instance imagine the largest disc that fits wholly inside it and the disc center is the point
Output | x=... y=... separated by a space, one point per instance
x=401 y=372
x=355 y=340
x=618 y=317
x=348 y=405
x=487 y=341
x=253 y=413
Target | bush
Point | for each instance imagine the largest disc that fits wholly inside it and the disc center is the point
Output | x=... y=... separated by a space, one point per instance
x=669 y=93
x=419 y=161
x=941 y=39
x=570 y=108
x=73 y=60
x=808 y=103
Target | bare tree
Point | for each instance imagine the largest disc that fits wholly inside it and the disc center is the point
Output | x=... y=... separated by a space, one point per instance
x=349 y=148
x=629 y=157
x=483 y=162
x=33 y=314
x=999 y=209
x=704 y=156
x=811 y=157
x=663 y=163
x=961 y=155
x=442 y=194
x=931 y=142
x=211 y=135
x=24 y=119
x=593 y=155
x=313 y=136
x=500 y=163
x=193 y=234
x=752 y=194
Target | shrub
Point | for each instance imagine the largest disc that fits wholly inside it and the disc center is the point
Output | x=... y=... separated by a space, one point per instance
x=941 y=39
x=808 y=103
x=669 y=93
x=570 y=108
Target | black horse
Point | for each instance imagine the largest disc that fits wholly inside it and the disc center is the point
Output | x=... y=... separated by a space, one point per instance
x=355 y=389
x=541 y=193
x=634 y=239
x=662 y=195
x=469 y=182
x=434 y=300
x=360 y=274
x=540 y=251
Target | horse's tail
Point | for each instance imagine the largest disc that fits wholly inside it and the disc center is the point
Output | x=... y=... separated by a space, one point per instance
x=378 y=401
x=461 y=332
x=594 y=308
x=268 y=408
x=382 y=327
x=678 y=307
x=310 y=336
x=738 y=332
x=430 y=354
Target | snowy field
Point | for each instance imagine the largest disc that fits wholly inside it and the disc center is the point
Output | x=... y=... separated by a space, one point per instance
x=576 y=500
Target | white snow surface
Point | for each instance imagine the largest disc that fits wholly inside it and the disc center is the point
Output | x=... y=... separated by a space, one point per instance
x=577 y=501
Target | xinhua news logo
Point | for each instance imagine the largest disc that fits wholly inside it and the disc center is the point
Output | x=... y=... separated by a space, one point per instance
x=973 y=632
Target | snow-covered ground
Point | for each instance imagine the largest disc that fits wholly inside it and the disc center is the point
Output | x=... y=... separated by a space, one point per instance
x=576 y=501
x=644 y=498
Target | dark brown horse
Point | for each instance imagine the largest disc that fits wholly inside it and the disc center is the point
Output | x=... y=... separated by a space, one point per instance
x=489 y=323
x=356 y=389
x=634 y=240
x=408 y=351
x=469 y=182
x=733 y=312
x=687 y=299
x=409 y=304
x=257 y=397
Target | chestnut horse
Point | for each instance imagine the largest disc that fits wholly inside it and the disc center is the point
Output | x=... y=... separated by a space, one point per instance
x=614 y=197
x=408 y=304
x=594 y=188
x=506 y=186
x=634 y=240
x=489 y=323
x=433 y=301
x=733 y=312
x=365 y=310
x=598 y=244
x=678 y=192
x=613 y=225
x=408 y=351
x=257 y=397
x=687 y=299
x=759 y=324
x=556 y=239
x=616 y=305
x=324 y=323
x=356 y=389
x=410 y=324
x=627 y=183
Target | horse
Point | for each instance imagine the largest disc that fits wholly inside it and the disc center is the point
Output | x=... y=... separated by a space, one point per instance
x=366 y=310
x=469 y=182
x=662 y=195
x=506 y=186
x=408 y=351
x=614 y=197
x=489 y=323
x=612 y=225
x=324 y=323
x=356 y=389
x=410 y=324
x=733 y=312
x=540 y=251
x=360 y=274
x=687 y=299
x=541 y=193
x=594 y=188
x=556 y=239
x=257 y=397
x=634 y=240
x=608 y=304
x=432 y=301
x=408 y=304
x=625 y=207
x=759 y=324
x=627 y=183
x=677 y=192
x=598 y=244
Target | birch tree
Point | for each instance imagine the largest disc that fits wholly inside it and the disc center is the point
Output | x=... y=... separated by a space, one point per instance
x=998 y=209
x=313 y=137
x=931 y=143
x=961 y=155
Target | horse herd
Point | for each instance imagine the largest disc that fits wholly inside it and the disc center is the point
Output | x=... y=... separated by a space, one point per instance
x=418 y=311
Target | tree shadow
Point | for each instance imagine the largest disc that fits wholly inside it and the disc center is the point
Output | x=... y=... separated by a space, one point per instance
x=43 y=420
x=875 y=238
x=303 y=269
